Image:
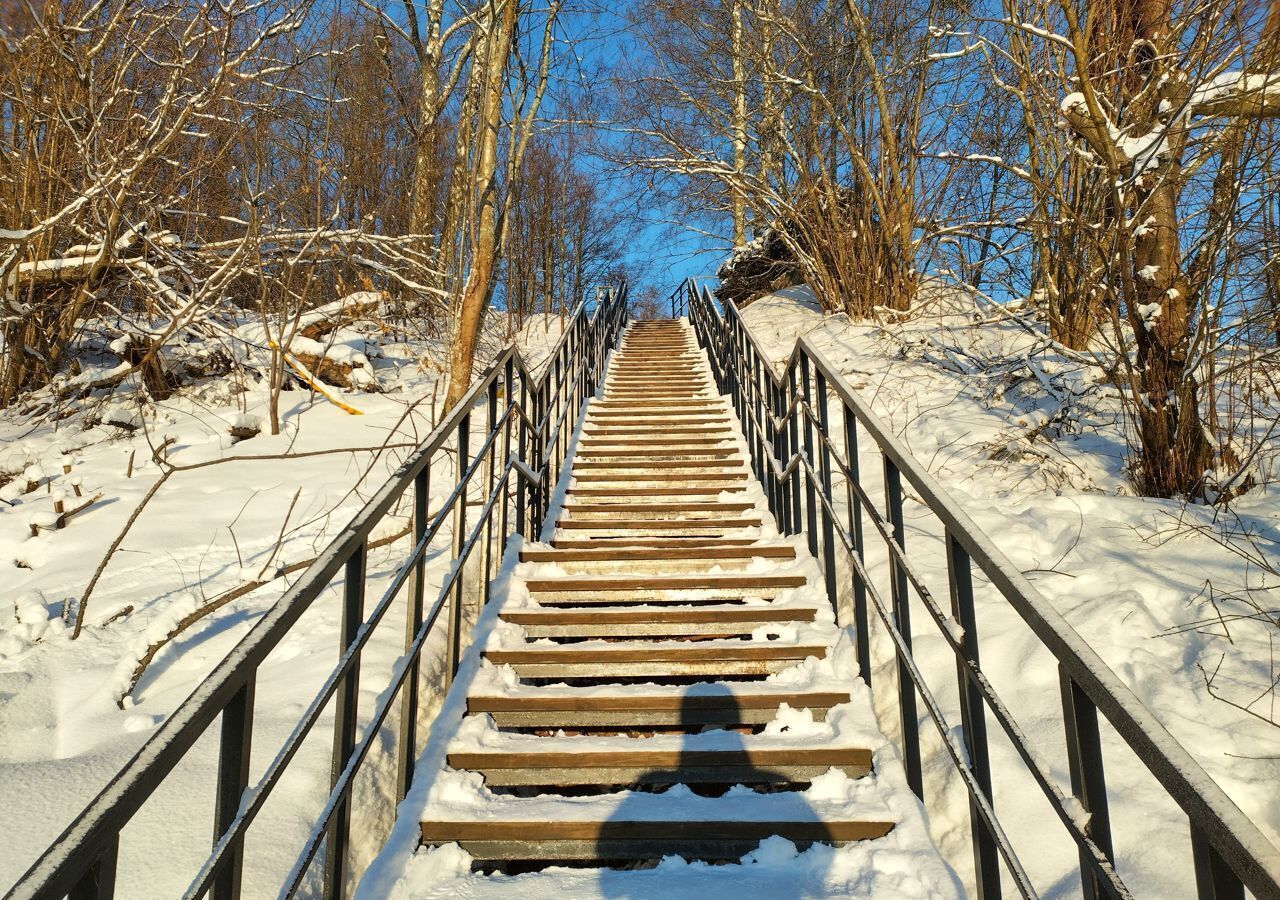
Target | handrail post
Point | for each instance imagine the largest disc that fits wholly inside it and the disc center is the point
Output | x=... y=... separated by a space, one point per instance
x=459 y=541
x=234 y=749
x=828 y=525
x=902 y=620
x=99 y=880
x=1214 y=878
x=810 y=489
x=778 y=442
x=861 y=619
x=790 y=395
x=344 y=725
x=408 y=750
x=973 y=717
x=490 y=480
x=1088 y=781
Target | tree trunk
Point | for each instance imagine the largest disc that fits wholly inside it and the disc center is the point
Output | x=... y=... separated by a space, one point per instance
x=491 y=71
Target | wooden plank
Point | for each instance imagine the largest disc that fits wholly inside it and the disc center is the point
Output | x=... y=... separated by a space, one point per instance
x=713 y=615
x=576 y=543
x=675 y=524
x=657 y=508
x=680 y=551
x=620 y=653
x=663 y=582
x=540 y=836
x=738 y=699
x=857 y=757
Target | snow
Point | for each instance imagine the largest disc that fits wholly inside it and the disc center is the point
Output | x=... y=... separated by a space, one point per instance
x=64 y=736
x=1031 y=443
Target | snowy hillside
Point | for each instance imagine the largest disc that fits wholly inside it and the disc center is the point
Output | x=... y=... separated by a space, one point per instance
x=1181 y=600
x=179 y=589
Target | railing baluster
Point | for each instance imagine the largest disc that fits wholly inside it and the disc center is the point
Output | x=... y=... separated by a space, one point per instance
x=491 y=473
x=793 y=446
x=861 y=621
x=781 y=505
x=459 y=539
x=902 y=620
x=810 y=489
x=344 y=724
x=828 y=526
x=408 y=749
x=973 y=717
x=99 y=880
x=1088 y=781
x=508 y=375
x=234 y=748
x=1214 y=878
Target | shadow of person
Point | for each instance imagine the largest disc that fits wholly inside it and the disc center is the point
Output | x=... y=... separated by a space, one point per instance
x=712 y=804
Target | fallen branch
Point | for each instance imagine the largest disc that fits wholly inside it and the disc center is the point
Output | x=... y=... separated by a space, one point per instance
x=170 y=469
x=222 y=600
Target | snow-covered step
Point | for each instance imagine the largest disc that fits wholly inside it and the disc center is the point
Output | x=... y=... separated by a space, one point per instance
x=640 y=463
x=605 y=512
x=565 y=708
x=659 y=588
x=620 y=840
x=716 y=452
x=659 y=477
x=619 y=661
x=577 y=542
x=704 y=550
x=717 y=621
x=605 y=529
x=792 y=766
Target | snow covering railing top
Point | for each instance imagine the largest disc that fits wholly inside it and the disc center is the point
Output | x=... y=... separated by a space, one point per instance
x=804 y=456
x=521 y=450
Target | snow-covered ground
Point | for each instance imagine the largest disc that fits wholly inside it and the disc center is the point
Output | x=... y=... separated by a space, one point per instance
x=1031 y=444
x=67 y=716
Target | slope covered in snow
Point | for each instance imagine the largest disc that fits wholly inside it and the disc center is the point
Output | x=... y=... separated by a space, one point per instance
x=1180 y=600
x=238 y=511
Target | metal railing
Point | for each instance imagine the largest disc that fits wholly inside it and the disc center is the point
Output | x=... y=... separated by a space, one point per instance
x=803 y=455
x=509 y=473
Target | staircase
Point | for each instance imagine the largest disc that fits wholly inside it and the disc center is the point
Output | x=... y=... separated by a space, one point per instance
x=665 y=677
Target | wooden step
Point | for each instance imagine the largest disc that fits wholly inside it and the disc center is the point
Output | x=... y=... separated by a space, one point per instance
x=657 y=622
x=644 y=463
x=675 y=551
x=621 y=840
x=794 y=766
x=660 y=477
x=668 y=420
x=665 y=407
x=577 y=542
x=656 y=526
x=630 y=661
x=720 y=453
x=595 y=589
x=659 y=582
x=591 y=443
x=632 y=508
x=664 y=490
x=558 y=708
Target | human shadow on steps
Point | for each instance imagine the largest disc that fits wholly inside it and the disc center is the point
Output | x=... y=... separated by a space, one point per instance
x=661 y=816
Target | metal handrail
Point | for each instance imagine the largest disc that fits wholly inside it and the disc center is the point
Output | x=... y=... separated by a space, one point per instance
x=794 y=452
x=517 y=463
